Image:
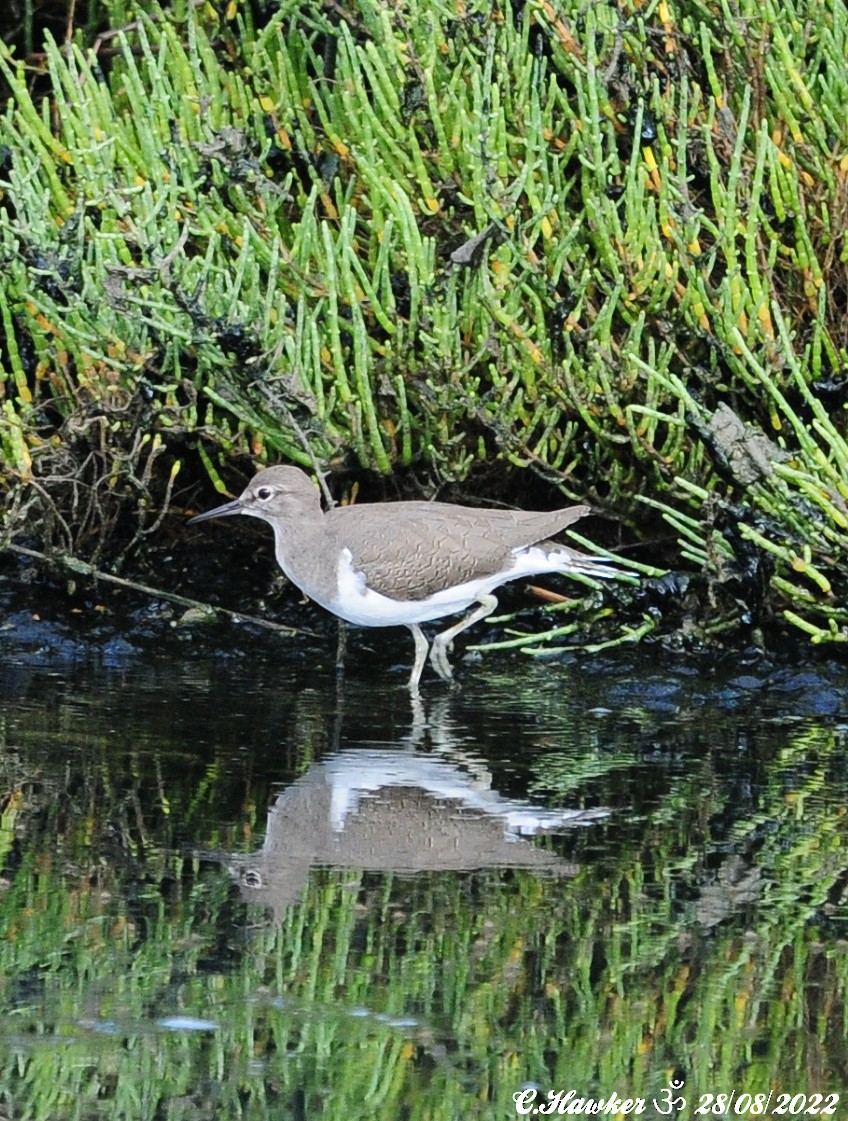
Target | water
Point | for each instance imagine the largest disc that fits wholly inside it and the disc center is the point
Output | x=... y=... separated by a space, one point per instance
x=234 y=887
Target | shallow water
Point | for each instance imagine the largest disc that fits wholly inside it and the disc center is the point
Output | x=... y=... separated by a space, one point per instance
x=236 y=886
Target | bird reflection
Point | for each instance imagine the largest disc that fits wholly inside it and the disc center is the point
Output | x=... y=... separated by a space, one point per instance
x=395 y=810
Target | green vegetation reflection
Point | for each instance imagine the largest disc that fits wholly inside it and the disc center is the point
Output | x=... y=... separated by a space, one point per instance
x=137 y=984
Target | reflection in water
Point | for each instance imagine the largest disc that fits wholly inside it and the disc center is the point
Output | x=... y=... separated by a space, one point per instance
x=735 y=885
x=396 y=811
x=428 y=955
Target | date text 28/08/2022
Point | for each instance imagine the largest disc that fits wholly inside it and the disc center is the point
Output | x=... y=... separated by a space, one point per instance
x=562 y=1102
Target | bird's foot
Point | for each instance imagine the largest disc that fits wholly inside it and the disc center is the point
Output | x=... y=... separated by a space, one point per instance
x=439 y=658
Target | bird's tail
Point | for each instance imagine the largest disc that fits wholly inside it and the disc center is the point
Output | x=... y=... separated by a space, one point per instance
x=603 y=568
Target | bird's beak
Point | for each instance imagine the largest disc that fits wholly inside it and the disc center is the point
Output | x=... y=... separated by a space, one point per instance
x=225 y=511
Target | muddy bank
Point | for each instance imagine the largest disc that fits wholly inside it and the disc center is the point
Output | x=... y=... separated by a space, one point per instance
x=46 y=622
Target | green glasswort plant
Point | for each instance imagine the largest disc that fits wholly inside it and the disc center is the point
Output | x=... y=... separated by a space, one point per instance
x=603 y=242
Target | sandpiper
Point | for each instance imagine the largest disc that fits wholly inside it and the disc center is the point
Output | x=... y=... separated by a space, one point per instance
x=405 y=563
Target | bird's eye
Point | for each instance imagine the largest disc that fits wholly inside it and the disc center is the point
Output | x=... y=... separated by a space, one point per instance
x=264 y=493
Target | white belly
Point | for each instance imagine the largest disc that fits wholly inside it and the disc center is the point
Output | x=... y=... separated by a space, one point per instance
x=364 y=607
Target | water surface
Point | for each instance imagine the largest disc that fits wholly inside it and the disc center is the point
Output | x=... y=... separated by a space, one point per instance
x=234 y=886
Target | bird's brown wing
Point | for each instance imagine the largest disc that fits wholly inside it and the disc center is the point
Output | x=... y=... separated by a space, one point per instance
x=442 y=545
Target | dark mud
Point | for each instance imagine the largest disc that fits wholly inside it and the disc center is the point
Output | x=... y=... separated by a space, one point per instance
x=51 y=621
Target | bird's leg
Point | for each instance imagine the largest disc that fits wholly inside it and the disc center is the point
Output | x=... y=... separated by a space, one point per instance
x=421 y=648
x=443 y=641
